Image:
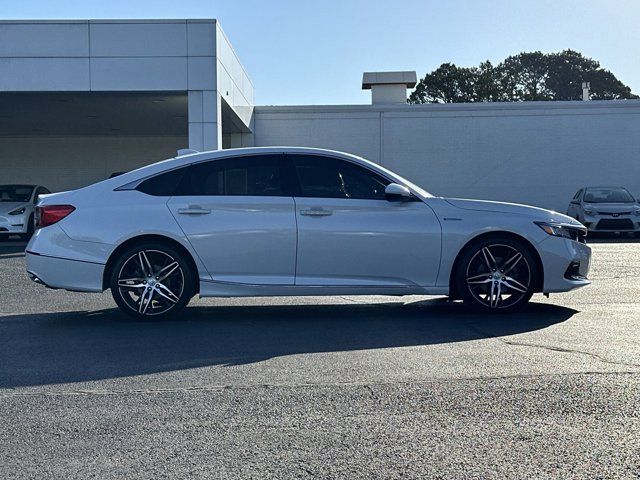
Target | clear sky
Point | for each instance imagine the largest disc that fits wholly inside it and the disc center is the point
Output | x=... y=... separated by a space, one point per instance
x=314 y=51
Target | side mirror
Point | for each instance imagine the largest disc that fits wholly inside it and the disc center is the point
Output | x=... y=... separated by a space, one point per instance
x=394 y=191
x=575 y=202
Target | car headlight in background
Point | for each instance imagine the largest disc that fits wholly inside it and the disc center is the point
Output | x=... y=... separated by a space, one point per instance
x=637 y=212
x=18 y=211
x=565 y=231
x=589 y=212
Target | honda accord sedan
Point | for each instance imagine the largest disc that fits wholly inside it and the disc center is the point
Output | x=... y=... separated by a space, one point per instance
x=295 y=221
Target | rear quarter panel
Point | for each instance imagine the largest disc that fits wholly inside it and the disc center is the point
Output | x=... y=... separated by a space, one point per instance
x=106 y=219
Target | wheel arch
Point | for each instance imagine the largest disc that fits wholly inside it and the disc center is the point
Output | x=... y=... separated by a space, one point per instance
x=149 y=238
x=497 y=234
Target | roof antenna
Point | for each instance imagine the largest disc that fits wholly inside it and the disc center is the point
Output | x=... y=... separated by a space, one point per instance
x=186 y=151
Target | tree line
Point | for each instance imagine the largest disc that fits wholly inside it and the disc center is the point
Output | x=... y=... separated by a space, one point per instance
x=528 y=76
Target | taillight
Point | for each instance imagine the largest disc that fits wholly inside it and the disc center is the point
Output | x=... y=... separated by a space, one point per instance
x=49 y=214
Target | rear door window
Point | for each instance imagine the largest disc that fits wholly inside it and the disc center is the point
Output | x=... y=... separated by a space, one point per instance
x=252 y=175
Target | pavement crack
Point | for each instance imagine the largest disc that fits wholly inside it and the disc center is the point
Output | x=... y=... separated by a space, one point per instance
x=372 y=393
x=12 y=392
x=553 y=348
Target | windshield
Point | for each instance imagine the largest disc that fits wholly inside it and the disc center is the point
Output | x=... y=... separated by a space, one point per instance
x=15 y=193
x=607 y=195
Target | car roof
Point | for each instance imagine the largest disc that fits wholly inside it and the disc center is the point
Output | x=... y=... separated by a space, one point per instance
x=229 y=152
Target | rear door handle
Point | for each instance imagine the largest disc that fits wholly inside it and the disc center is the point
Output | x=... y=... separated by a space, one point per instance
x=194 y=210
x=316 y=212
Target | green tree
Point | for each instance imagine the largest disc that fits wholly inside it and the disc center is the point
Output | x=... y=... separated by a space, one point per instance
x=524 y=77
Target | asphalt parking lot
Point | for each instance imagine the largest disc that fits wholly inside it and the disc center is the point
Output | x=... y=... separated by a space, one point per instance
x=346 y=387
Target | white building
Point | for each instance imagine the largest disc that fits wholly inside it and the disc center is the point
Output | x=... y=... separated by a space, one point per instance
x=80 y=100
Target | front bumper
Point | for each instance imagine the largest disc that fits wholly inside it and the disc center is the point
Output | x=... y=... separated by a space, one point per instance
x=611 y=224
x=566 y=264
x=13 y=224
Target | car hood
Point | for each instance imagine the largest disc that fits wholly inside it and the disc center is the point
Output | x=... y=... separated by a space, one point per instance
x=512 y=209
x=611 y=207
x=6 y=207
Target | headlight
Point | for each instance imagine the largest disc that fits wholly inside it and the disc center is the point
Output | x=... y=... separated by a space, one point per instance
x=18 y=211
x=589 y=212
x=557 y=230
x=637 y=212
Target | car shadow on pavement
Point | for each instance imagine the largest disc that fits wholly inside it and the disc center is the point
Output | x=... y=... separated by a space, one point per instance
x=53 y=348
x=10 y=250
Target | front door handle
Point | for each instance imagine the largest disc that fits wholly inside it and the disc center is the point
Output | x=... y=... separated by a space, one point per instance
x=194 y=210
x=316 y=212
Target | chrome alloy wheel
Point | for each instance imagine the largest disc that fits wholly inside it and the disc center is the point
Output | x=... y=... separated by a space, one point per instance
x=498 y=276
x=151 y=282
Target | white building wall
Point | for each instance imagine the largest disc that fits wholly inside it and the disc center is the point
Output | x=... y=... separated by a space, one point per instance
x=131 y=55
x=234 y=85
x=65 y=163
x=538 y=153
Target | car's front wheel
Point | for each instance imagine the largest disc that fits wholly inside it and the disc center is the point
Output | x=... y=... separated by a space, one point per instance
x=496 y=275
x=152 y=280
x=30 y=228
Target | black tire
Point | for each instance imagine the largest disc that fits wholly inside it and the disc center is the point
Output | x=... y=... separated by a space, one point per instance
x=149 y=296
x=30 y=229
x=513 y=275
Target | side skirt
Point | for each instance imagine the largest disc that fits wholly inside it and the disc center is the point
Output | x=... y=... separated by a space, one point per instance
x=222 y=289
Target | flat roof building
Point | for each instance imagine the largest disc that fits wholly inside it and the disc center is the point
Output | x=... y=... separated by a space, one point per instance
x=80 y=100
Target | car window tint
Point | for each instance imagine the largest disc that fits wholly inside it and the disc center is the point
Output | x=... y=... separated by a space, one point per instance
x=327 y=177
x=162 y=185
x=257 y=175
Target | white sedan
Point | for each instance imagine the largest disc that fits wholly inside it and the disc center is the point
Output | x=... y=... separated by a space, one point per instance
x=295 y=221
x=17 y=204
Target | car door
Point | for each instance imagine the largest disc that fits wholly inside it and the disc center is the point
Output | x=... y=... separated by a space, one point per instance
x=349 y=234
x=239 y=218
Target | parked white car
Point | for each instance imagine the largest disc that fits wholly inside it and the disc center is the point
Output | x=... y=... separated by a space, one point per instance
x=606 y=209
x=17 y=204
x=295 y=221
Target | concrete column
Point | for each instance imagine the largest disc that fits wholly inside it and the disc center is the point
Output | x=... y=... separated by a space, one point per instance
x=205 y=120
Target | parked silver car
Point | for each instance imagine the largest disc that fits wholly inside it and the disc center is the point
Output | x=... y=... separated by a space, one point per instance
x=17 y=203
x=606 y=209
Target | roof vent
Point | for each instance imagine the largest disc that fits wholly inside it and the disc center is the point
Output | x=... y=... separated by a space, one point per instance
x=388 y=87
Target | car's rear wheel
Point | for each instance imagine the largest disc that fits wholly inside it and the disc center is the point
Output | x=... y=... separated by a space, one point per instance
x=152 y=281
x=497 y=274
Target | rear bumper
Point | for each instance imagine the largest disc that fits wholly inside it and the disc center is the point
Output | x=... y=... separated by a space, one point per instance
x=55 y=272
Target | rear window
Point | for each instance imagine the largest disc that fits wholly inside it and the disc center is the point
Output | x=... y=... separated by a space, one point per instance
x=163 y=185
